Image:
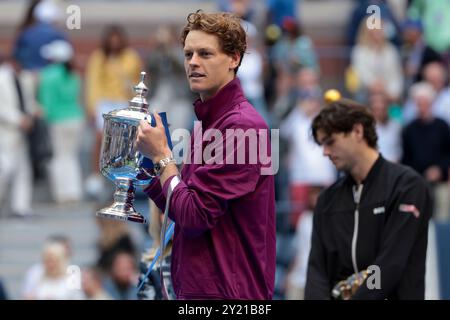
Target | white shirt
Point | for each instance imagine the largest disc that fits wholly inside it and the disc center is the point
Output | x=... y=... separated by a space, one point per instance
x=389 y=140
x=250 y=74
x=439 y=109
x=303 y=244
x=384 y=65
x=56 y=289
x=307 y=163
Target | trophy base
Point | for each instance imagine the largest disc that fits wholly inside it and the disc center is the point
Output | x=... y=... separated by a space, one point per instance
x=123 y=215
x=122 y=207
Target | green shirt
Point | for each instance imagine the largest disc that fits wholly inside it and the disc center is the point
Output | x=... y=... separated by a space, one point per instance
x=59 y=93
x=435 y=16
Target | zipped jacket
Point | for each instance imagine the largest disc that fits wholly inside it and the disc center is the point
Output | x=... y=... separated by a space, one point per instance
x=383 y=223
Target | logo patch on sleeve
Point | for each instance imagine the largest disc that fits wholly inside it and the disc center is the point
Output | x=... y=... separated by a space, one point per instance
x=409 y=208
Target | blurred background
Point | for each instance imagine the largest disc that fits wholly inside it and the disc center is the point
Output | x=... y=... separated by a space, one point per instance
x=64 y=63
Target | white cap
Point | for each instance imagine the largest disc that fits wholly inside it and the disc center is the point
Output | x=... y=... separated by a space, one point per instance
x=57 y=51
x=422 y=89
x=48 y=11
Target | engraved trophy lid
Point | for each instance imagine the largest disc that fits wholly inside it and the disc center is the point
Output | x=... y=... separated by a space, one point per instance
x=139 y=101
x=137 y=107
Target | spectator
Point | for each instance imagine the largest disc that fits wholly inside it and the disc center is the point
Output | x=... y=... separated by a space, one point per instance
x=391 y=26
x=435 y=74
x=38 y=29
x=53 y=282
x=114 y=238
x=252 y=11
x=307 y=165
x=93 y=286
x=35 y=272
x=112 y=71
x=251 y=73
x=279 y=10
x=416 y=53
x=296 y=278
x=292 y=52
x=59 y=94
x=18 y=107
x=167 y=76
x=389 y=131
x=376 y=64
x=306 y=82
x=435 y=16
x=122 y=281
x=426 y=146
x=426 y=140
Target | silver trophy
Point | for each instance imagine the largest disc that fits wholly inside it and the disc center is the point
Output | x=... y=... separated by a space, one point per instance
x=119 y=159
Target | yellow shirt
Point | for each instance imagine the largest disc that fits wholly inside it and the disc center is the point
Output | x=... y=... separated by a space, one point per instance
x=111 y=78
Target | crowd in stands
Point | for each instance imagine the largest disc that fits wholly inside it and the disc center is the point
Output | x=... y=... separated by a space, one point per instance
x=399 y=70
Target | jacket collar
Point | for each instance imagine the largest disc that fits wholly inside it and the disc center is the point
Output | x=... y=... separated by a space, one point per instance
x=373 y=172
x=227 y=97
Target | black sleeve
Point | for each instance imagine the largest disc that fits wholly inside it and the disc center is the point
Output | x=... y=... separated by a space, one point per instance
x=3 y=295
x=444 y=163
x=404 y=237
x=406 y=149
x=317 y=281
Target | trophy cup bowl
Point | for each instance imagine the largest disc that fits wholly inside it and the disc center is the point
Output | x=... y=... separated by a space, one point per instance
x=120 y=161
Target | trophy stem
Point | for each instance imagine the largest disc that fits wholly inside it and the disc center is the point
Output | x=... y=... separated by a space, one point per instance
x=123 y=205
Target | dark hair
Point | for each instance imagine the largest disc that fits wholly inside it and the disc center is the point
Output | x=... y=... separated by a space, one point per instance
x=226 y=26
x=29 y=18
x=341 y=116
x=110 y=31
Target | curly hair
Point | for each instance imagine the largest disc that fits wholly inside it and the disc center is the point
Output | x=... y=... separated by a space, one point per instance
x=226 y=26
x=341 y=116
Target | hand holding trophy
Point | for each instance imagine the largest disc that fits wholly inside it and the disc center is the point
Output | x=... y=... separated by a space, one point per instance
x=119 y=159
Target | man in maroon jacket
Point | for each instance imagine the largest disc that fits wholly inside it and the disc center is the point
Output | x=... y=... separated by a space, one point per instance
x=223 y=207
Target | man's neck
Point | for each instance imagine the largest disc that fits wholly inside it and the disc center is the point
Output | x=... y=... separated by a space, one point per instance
x=208 y=95
x=426 y=118
x=364 y=163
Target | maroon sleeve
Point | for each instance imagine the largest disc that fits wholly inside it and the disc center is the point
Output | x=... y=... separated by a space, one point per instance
x=155 y=192
x=197 y=204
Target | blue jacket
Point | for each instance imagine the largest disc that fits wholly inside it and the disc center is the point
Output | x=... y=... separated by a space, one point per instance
x=29 y=43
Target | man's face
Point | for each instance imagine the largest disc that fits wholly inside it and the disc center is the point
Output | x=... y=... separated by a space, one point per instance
x=411 y=35
x=379 y=108
x=340 y=148
x=434 y=74
x=123 y=269
x=424 y=105
x=208 y=68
